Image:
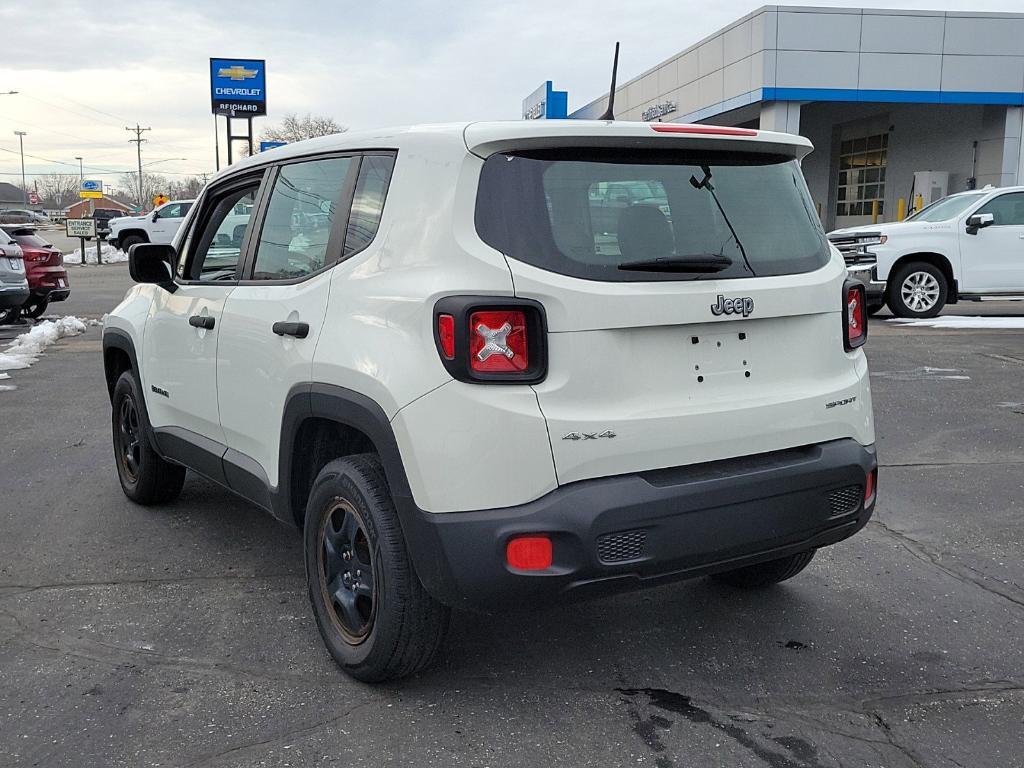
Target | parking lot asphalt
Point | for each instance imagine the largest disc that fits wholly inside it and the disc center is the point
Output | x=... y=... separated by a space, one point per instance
x=181 y=636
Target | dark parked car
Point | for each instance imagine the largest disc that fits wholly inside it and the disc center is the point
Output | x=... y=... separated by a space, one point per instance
x=44 y=266
x=103 y=217
x=22 y=216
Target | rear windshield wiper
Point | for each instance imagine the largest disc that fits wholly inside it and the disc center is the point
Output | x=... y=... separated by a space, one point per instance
x=696 y=263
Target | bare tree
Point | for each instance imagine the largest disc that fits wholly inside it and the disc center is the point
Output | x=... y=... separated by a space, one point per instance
x=57 y=189
x=184 y=189
x=152 y=185
x=295 y=128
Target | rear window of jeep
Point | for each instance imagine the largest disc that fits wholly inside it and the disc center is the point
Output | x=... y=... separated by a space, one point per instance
x=592 y=213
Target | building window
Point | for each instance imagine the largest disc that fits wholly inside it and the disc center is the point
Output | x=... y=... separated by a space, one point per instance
x=862 y=175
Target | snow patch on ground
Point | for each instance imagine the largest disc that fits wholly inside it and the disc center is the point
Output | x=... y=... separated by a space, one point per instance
x=971 y=322
x=110 y=256
x=27 y=348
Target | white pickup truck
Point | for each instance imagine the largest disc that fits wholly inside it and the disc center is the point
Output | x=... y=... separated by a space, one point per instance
x=965 y=247
x=158 y=226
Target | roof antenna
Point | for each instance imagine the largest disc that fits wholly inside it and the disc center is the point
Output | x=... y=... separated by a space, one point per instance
x=609 y=113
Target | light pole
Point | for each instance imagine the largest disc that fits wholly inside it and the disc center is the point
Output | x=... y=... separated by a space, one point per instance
x=21 y=144
x=81 y=179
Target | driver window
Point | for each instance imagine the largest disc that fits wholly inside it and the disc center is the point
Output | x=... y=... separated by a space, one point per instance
x=1007 y=210
x=297 y=226
x=170 y=212
x=219 y=242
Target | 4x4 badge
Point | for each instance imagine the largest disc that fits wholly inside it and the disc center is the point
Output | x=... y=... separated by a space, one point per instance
x=742 y=306
x=588 y=435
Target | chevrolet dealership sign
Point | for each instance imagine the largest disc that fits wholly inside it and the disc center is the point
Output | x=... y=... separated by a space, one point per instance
x=238 y=87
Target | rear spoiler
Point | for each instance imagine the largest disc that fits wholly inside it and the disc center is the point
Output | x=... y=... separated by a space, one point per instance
x=485 y=139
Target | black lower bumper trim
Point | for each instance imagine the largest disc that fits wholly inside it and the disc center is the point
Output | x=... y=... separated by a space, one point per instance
x=693 y=520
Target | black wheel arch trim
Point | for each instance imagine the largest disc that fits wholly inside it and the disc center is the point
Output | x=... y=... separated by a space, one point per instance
x=117 y=339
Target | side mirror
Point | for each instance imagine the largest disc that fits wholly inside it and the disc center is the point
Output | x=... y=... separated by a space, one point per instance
x=979 y=221
x=155 y=216
x=151 y=263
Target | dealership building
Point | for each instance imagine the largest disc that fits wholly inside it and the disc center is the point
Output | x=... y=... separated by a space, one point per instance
x=898 y=104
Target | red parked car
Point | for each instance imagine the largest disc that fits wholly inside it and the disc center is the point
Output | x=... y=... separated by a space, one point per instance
x=44 y=267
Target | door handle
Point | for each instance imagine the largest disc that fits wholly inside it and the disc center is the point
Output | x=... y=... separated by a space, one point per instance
x=298 y=330
x=202 y=321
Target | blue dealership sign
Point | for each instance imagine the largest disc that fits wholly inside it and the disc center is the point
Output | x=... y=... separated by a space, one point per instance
x=92 y=185
x=265 y=145
x=546 y=104
x=238 y=87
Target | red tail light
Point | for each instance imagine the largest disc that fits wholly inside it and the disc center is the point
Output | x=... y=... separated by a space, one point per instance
x=855 y=316
x=529 y=553
x=484 y=340
x=870 y=485
x=498 y=342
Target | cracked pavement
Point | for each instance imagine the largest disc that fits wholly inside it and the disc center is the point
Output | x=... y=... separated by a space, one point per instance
x=181 y=636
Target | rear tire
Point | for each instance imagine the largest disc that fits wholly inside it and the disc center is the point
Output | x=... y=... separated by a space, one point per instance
x=35 y=307
x=917 y=289
x=145 y=477
x=375 y=617
x=9 y=315
x=766 y=574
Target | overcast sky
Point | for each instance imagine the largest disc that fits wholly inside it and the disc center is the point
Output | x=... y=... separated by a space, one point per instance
x=85 y=71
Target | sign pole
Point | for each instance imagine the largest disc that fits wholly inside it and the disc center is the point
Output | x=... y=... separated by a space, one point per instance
x=249 y=121
x=228 y=121
x=216 y=141
x=99 y=250
x=83 y=241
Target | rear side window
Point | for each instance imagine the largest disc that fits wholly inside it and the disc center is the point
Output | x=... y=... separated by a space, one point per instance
x=368 y=201
x=591 y=213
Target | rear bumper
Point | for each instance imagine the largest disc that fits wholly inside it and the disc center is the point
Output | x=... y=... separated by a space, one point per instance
x=629 y=531
x=866 y=274
x=12 y=296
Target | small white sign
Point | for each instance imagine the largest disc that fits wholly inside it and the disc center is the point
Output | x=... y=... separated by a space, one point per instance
x=81 y=227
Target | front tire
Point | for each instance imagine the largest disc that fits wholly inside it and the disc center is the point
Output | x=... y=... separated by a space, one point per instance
x=917 y=290
x=375 y=617
x=128 y=241
x=145 y=477
x=766 y=574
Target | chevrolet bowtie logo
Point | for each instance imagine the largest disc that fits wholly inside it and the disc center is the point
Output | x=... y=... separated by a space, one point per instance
x=237 y=72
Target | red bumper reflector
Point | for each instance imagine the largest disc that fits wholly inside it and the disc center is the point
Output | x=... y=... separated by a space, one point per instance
x=719 y=130
x=446 y=333
x=529 y=553
x=869 y=486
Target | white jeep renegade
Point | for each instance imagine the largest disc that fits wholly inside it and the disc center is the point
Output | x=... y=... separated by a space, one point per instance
x=491 y=364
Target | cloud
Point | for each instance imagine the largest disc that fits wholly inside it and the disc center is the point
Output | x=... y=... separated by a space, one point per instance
x=365 y=64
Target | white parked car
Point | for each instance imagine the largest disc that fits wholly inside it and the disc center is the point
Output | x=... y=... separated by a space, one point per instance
x=425 y=353
x=158 y=226
x=968 y=246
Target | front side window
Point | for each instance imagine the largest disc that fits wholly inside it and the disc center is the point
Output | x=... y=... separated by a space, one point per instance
x=218 y=243
x=172 y=211
x=599 y=214
x=1007 y=210
x=299 y=219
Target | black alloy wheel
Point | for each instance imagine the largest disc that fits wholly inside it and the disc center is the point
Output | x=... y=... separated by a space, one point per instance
x=347 y=572
x=129 y=438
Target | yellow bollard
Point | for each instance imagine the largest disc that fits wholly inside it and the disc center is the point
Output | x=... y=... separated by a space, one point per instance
x=918 y=202
x=874 y=211
x=901 y=209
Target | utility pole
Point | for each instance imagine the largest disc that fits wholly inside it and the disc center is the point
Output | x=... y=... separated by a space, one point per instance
x=138 y=131
x=21 y=144
x=81 y=173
